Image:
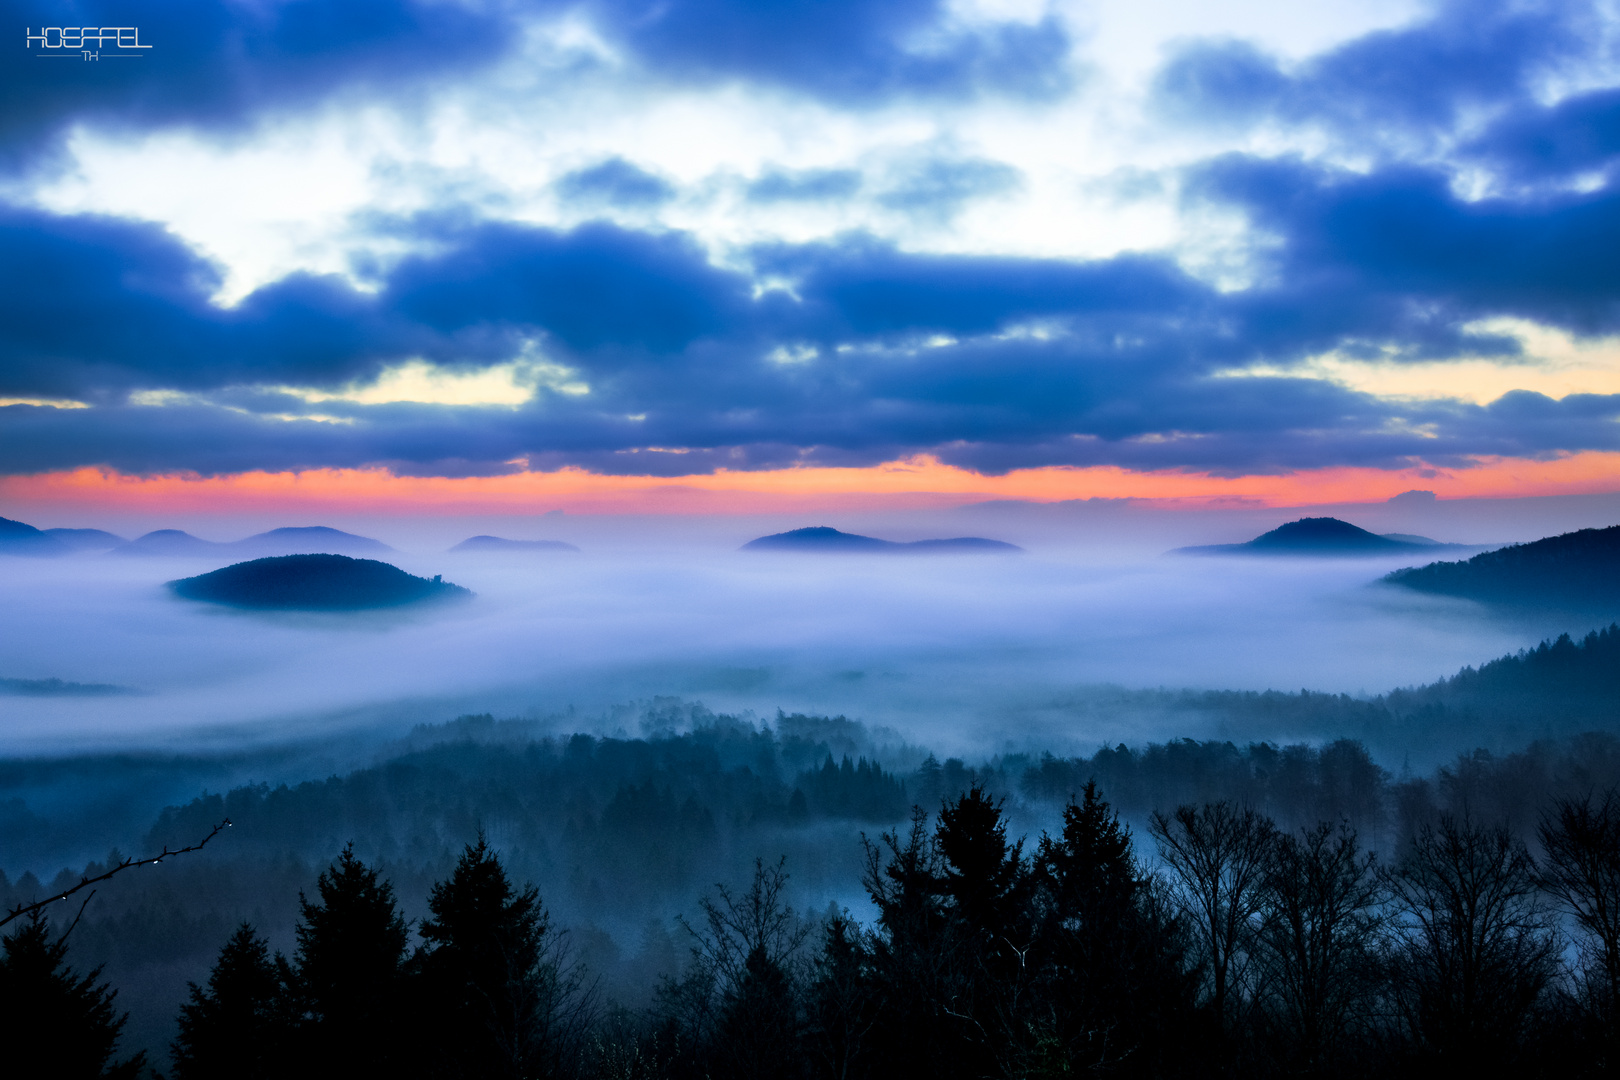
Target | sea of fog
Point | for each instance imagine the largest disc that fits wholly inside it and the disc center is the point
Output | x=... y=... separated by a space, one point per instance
x=961 y=653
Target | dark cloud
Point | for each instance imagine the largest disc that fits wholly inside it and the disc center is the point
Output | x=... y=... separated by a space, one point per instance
x=1415 y=82
x=866 y=352
x=1398 y=254
x=618 y=182
x=850 y=51
x=217 y=64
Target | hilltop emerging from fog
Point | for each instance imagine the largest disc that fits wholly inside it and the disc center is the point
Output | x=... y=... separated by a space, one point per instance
x=1321 y=536
x=313 y=583
x=823 y=539
x=1579 y=569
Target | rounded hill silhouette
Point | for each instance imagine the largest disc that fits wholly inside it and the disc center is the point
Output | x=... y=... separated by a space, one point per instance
x=313 y=583
x=821 y=538
x=1321 y=536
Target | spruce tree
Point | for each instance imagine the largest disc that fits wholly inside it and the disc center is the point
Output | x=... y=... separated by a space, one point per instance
x=236 y=1026
x=349 y=972
x=66 y=1017
x=497 y=994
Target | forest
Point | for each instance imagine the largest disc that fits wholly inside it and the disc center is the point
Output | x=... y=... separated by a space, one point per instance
x=809 y=896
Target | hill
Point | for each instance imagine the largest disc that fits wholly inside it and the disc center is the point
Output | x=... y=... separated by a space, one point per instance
x=1321 y=536
x=86 y=539
x=313 y=583
x=828 y=540
x=499 y=543
x=312 y=540
x=1578 y=569
x=169 y=542
x=17 y=538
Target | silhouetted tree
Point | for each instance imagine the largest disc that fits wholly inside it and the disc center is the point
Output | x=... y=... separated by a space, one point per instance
x=238 y=1025
x=349 y=969
x=47 y=1009
x=1582 y=846
x=840 y=1005
x=916 y=968
x=503 y=1001
x=985 y=883
x=1478 y=950
x=1218 y=857
x=738 y=1009
x=1114 y=993
x=1317 y=949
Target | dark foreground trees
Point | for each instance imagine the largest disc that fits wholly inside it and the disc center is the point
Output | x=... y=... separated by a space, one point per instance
x=67 y=1019
x=1476 y=949
x=490 y=994
x=1250 y=952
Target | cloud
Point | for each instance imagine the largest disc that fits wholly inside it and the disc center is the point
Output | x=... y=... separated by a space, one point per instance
x=853 y=52
x=1414 y=83
x=845 y=351
x=616 y=182
x=217 y=65
x=807 y=185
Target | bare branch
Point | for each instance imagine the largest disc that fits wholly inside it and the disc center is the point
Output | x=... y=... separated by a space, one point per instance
x=85 y=882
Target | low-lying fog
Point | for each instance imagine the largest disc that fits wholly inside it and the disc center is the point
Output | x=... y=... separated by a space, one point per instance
x=970 y=652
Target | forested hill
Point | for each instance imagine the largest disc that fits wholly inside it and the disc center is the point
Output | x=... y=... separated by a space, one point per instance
x=1579 y=570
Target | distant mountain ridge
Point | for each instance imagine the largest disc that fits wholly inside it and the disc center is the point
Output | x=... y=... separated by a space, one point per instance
x=821 y=538
x=290 y=540
x=500 y=543
x=19 y=538
x=1322 y=536
x=1577 y=569
x=313 y=583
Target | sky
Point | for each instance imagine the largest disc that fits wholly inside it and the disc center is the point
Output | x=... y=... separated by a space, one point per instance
x=602 y=255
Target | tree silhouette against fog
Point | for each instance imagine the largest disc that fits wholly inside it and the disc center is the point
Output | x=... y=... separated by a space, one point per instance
x=237 y=1025
x=1317 y=951
x=1477 y=946
x=1581 y=841
x=1114 y=991
x=1218 y=855
x=349 y=969
x=500 y=997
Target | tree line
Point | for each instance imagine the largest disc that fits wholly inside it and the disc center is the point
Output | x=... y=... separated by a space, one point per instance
x=1234 y=947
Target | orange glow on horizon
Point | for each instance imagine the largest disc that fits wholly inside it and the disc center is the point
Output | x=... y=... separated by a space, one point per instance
x=919 y=482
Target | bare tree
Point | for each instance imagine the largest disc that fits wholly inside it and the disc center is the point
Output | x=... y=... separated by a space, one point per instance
x=1582 y=846
x=1478 y=950
x=1317 y=947
x=1219 y=855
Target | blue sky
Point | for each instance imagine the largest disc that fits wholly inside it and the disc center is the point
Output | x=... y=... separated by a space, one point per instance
x=468 y=239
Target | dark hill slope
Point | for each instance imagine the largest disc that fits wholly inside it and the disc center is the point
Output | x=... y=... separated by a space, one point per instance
x=1320 y=536
x=18 y=538
x=313 y=583
x=823 y=539
x=1579 y=569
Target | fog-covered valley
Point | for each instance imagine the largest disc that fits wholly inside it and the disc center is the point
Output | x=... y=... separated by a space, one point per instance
x=967 y=652
x=647 y=716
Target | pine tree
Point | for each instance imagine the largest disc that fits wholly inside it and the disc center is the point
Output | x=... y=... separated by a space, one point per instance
x=349 y=971
x=501 y=996
x=237 y=1026
x=68 y=1017
x=1115 y=993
